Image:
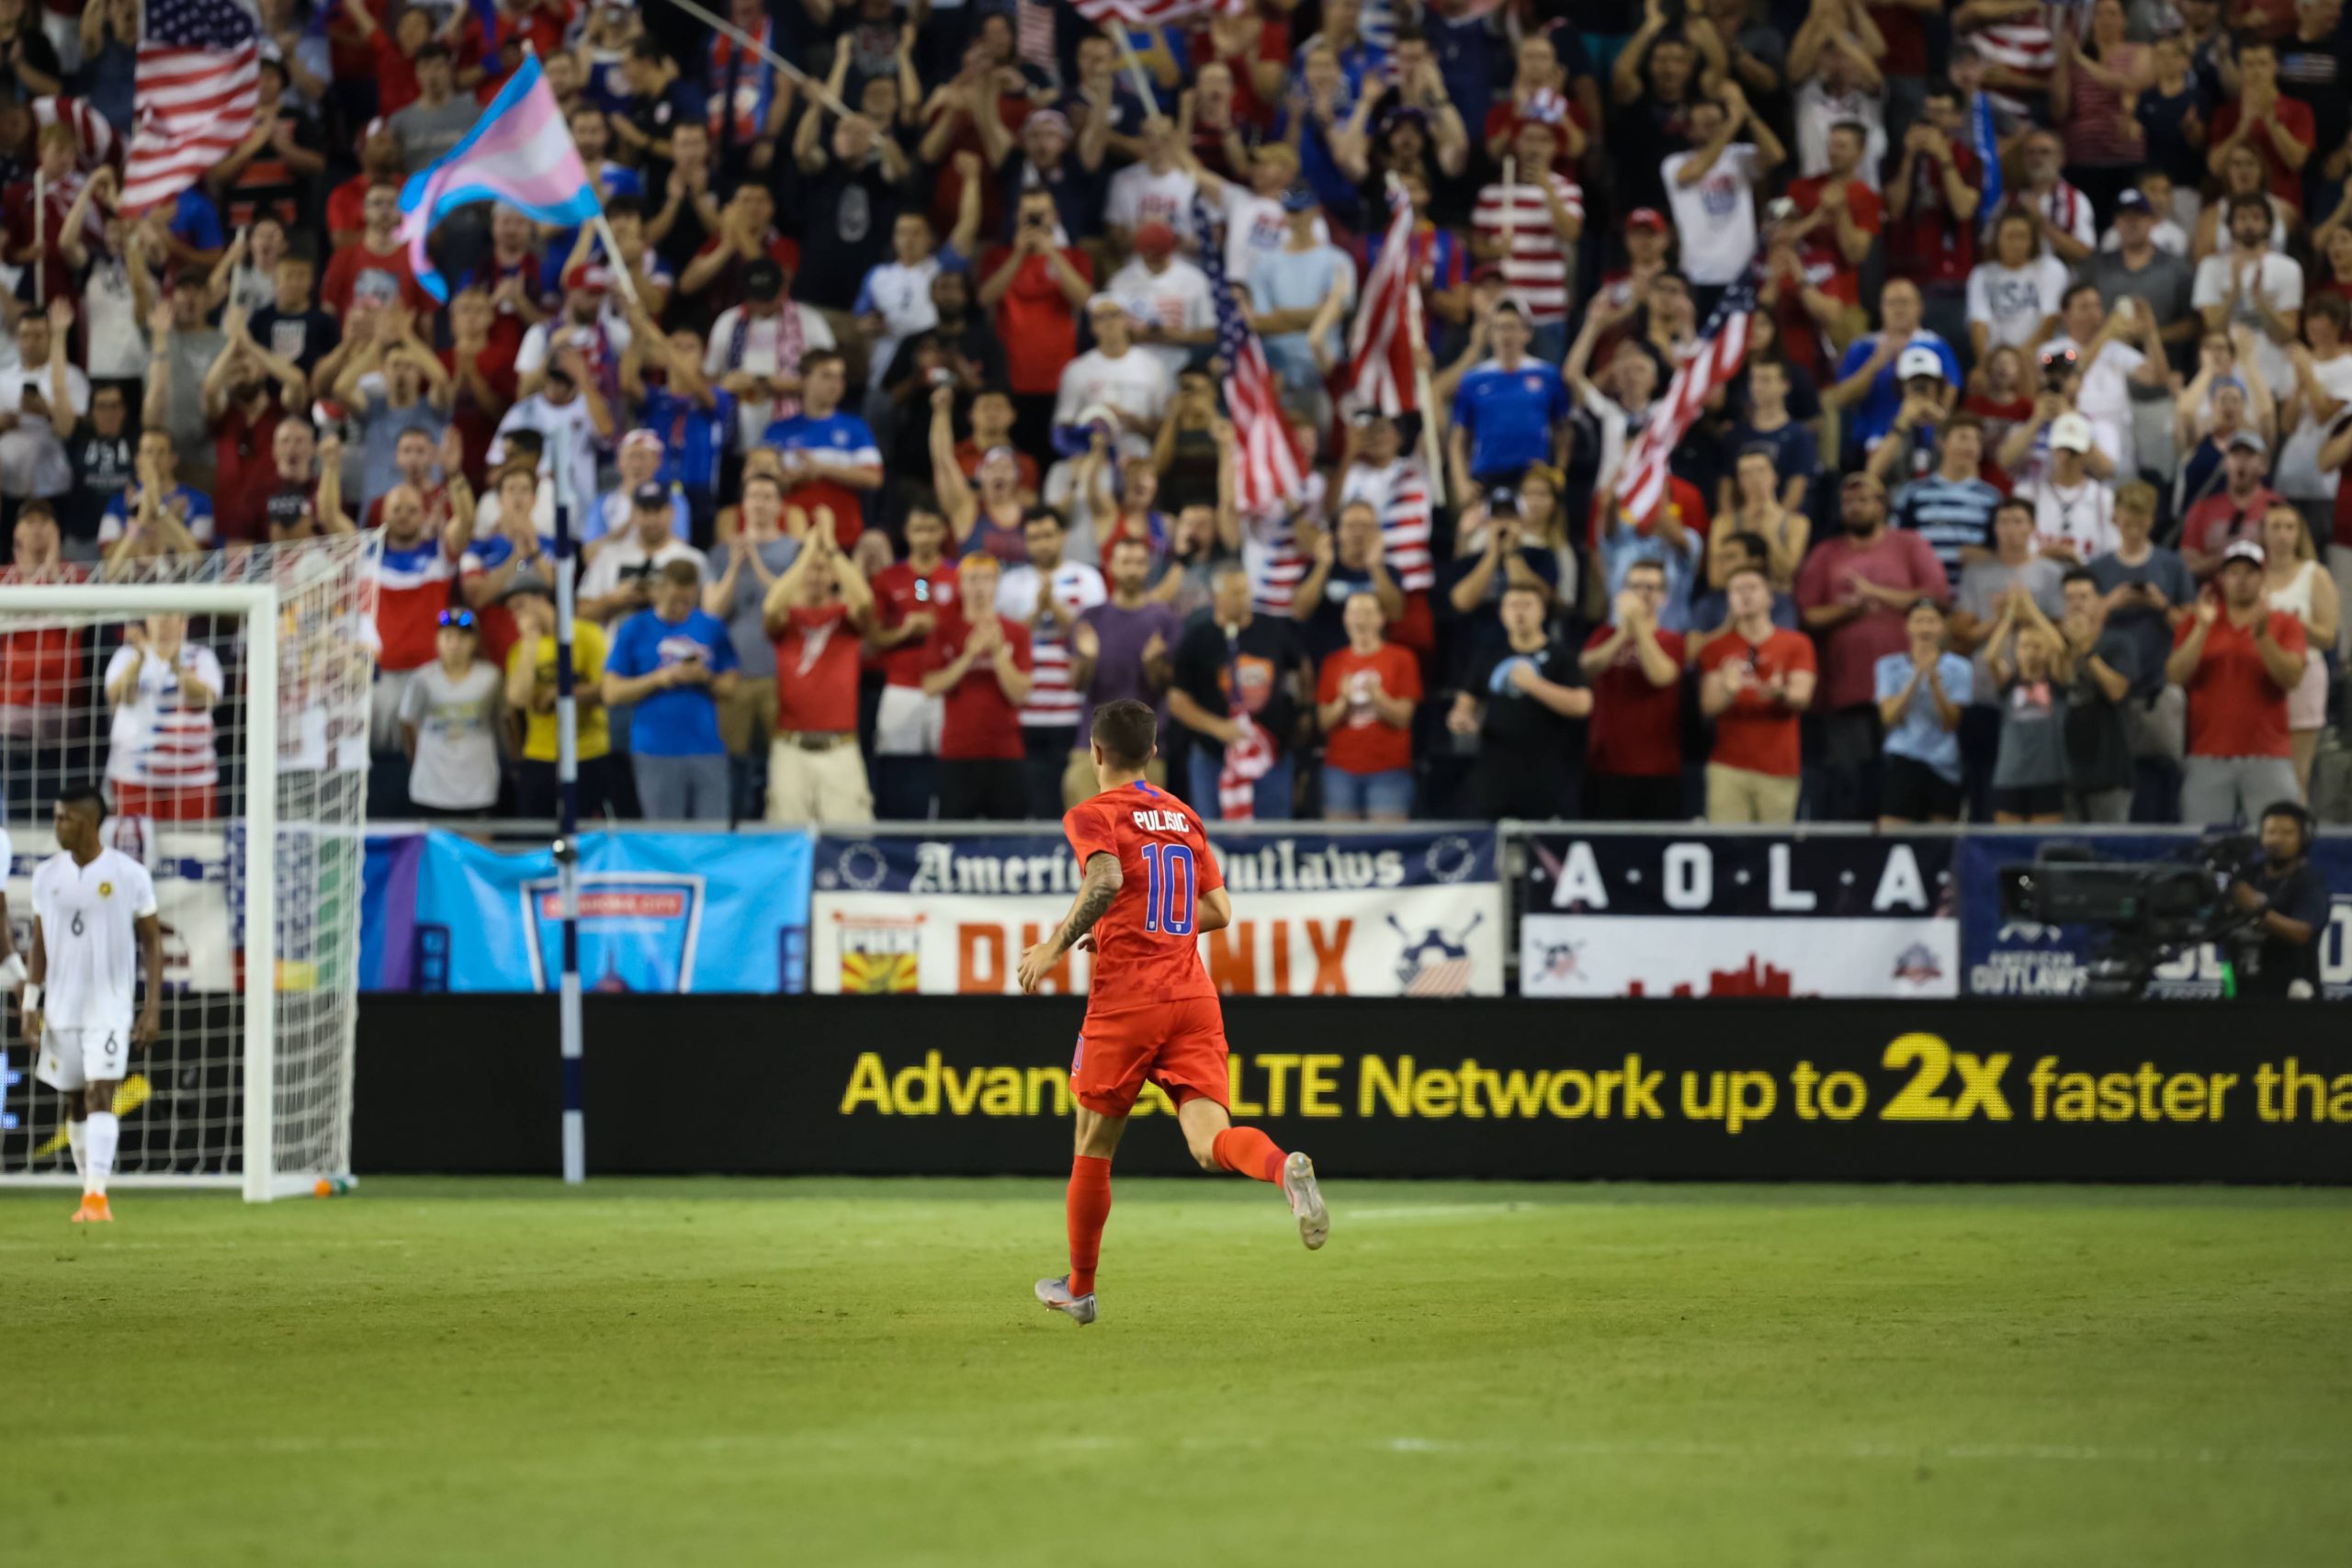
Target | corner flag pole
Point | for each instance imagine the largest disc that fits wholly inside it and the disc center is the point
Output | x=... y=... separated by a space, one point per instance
x=567 y=841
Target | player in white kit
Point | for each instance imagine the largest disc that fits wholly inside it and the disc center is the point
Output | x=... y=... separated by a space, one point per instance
x=95 y=929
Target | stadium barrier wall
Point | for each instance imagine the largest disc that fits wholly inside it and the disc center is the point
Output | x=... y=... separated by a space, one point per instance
x=1734 y=1089
x=1446 y=909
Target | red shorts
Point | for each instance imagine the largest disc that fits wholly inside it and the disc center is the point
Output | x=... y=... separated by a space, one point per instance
x=191 y=803
x=1178 y=1045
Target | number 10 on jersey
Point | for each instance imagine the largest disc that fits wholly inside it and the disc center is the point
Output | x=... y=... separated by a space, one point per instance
x=1170 y=888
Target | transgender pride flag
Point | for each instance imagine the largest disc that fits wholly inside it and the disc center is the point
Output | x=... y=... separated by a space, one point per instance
x=518 y=153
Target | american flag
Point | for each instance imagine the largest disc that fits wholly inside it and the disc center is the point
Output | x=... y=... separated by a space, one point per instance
x=1155 y=13
x=1268 y=471
x=1380 y=345
x=1723 y=344
x=199 y=67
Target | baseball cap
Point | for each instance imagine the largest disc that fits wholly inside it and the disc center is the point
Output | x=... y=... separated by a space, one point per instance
x=586 y=278
x=1047 y=119
x=2250 y=439
x=763 y=280
x=651 y=496
x=526 y=583
x=2135 y=201
x=1154 y=239
x=1918 y=360
x=2245 y=550
x=642 y=436
x=2070 y=433
x=1780 y=210
x=1300 y=198
x=1646 y=217
x=1502 y=502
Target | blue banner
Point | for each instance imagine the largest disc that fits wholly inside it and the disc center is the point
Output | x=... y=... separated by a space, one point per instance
x=2001 y=957
x=674 y=912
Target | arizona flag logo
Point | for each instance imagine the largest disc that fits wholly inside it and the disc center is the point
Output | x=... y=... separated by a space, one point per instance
x=880 y=955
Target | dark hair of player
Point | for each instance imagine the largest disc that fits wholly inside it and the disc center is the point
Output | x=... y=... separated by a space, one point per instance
x=1126 y=730
x=85 y=795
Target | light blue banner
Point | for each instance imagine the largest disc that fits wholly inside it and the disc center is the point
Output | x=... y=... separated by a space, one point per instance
x=671 y=912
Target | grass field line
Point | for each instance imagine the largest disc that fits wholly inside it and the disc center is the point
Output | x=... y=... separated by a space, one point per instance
x=951 y=1449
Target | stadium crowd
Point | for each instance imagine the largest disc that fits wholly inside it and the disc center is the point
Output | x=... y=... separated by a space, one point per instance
x=896 y=440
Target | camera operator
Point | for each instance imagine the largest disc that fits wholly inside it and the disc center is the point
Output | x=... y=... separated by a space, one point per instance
x=2280 y=956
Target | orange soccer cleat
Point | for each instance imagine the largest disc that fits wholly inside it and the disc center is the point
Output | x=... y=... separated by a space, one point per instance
x=94 y=1210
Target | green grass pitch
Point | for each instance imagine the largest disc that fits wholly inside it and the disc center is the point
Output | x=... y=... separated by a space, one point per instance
x=843 y=1373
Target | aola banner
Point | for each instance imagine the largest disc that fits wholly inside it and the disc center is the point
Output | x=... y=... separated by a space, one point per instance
x=1699 y=915
x=1413 y=914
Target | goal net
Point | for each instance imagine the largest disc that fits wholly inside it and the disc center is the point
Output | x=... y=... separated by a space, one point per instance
x=222 y=702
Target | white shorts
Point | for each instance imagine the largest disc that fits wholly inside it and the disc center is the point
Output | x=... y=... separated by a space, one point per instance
x=907 y=724
x=75 y=1058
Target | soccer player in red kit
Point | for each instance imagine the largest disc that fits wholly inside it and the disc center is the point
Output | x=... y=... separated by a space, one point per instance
x=1150 y=887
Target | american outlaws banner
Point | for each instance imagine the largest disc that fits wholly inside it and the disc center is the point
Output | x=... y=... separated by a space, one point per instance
x=1315 y=914
x=1700 y=915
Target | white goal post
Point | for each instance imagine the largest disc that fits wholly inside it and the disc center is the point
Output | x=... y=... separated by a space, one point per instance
x=257 y=873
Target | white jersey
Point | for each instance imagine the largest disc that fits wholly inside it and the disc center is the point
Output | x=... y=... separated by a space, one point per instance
x=88 y=917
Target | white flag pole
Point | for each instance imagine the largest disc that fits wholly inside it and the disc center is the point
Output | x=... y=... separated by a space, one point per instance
x=1118 y=35
x=1422 y=394
x=817 y=89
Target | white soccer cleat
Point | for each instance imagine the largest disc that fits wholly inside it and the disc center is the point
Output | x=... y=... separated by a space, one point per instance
x=1306 y=1200
x=1055 y=1294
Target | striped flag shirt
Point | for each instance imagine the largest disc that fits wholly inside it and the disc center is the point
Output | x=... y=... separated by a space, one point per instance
x=2027 y=45
x=1379 y=343
x=1713 y=360
x=197 y=80
x=1537 y=264
x=159 y=740
x=1269 y=474
x=1054 y=702
x=1400 y=494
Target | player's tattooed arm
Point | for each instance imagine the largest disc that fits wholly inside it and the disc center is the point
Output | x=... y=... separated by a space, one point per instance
x=1094 y=896
x=1099 y=887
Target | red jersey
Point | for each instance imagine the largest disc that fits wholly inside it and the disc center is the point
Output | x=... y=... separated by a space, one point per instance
x=978 y=720
x=41 y=668
x=2234 y=709
x=1757 y=733
x=1146 y=945
x=1033 y=320
x=900 y=591
x=1636 y=730
x=1364 y=742
x=816 y=672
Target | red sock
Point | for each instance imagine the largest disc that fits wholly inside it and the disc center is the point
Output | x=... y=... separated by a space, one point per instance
x=1089 y=1205
x=1248 y=1152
